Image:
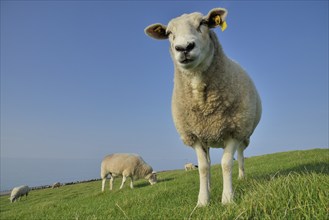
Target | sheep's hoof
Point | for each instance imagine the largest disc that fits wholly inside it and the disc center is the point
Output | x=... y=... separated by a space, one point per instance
x=241 y=177
x=227 y=200
x=202 y=204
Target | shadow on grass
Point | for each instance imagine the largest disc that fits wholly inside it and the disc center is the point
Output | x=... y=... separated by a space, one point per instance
x=143 y=184
x=165 y=180
x=241 y=187
x=318 y=168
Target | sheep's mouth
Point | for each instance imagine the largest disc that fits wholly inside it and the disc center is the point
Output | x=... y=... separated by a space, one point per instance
x=186 y=61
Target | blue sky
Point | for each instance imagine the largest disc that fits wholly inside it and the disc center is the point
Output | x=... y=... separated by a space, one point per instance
x=80 y=79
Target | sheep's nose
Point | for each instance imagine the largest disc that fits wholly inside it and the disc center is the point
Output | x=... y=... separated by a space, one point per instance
x=186 y=48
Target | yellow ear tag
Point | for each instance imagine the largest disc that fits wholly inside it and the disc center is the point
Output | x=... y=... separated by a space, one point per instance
x=223 y=26
x=219 y=22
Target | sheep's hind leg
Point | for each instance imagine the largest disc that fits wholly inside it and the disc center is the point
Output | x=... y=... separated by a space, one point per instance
x=241 y=162
x=227 y=164
x=209 y=173
x=204 y=174
x=111 y=182
x=123 y=181
x=132 y=183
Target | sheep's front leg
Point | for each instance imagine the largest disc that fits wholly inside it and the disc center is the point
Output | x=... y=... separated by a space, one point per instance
x=204 y=173
x=241 y=161
x=123 y=181
x=103 y=184
x=227 y=164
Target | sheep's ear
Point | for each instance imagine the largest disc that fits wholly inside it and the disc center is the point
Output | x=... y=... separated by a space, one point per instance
x=217 y=17
x=157 y=31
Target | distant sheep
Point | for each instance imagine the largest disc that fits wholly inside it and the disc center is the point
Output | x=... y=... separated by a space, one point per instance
x=126 y=165
x=190 y=166
x=56 y=185
x=214 y=102
x=19 y=192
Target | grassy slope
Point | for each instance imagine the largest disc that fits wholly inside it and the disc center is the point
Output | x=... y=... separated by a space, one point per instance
x=289 y=185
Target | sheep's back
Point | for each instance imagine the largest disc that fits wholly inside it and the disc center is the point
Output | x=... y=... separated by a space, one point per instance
x=117 y=163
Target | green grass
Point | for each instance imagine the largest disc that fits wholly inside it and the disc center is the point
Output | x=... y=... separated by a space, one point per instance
x=289 y=185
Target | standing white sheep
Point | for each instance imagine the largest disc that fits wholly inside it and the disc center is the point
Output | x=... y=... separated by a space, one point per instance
x=19 y=192
x=56 y=185
x=214 y=103
x=190 y=166
x=126 y=165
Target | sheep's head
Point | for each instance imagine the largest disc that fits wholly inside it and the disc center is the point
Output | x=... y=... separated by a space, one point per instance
x=190 y=43
x=152 y=178
x=12 y=198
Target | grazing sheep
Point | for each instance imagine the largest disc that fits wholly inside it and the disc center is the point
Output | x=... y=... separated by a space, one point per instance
x=190 y=166
x=214 y=103
x=126 y=165
x=56 y=185
x=19 y=192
